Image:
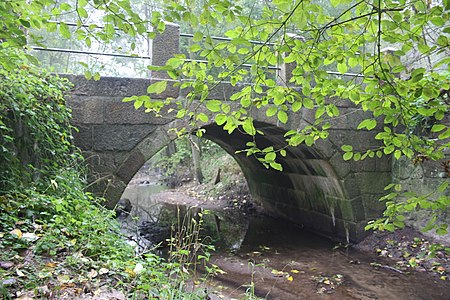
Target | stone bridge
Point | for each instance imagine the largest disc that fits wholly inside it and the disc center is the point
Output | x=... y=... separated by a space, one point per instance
x=317 y=188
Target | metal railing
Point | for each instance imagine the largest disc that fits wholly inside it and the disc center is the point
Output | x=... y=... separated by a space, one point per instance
x=149 y=57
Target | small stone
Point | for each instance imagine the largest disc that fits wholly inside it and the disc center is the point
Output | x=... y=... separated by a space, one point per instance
x=443 y=175
x=6 y=265
x=9 y=281
x=420 y=269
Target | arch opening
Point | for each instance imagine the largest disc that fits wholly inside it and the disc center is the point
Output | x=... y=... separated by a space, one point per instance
x=307 y=192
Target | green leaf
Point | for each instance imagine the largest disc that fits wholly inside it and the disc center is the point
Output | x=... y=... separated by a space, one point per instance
x=389 y=149
x=368 y=123
x=296 y=106
x=181 y=113
x=138 y=103
x=64 y=30
x=438 y=127
x=220 y=119
x=271 y=156
x=271 y=111
x=428 y=92
x=88 y=75
x=354 y=96
x=24 y=23
x=276 y=166
x=335 y=3
x=347 y=148
x=248 y=126
x=129 y=99
x=444 y=135
x=308 y=103
x=202 y=117
x=441 y=231
x=157 y=87
x=342 y=68
x=195 y=48
x=347 y=155
x=65 y=6
x=82 y=12
x=214 y=105
x=282 y=116
x=198 y=36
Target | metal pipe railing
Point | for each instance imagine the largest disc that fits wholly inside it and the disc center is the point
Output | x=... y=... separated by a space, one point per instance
x=187 y=35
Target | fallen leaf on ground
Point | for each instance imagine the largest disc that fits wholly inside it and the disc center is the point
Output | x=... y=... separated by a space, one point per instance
x=278 y=273
x=93 y=273
x=63 y=278
x=29 y=236
x=103 y=271
x=16 y=232
x=138 y=268
x=50 y=264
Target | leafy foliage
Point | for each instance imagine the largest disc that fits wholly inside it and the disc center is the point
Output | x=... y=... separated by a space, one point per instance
x=26 y=24
x=396 y=92
x=35 y=134
x=51 y=230
x=388 y=58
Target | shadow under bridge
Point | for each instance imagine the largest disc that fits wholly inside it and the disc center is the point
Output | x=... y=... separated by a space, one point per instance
x=308 y=191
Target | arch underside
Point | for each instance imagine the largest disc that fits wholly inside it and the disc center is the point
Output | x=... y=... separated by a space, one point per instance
x=308 y=192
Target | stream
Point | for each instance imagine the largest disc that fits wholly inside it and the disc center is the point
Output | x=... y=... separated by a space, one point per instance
x=273 y=259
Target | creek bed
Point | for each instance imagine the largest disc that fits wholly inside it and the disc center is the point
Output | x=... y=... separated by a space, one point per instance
x=274 y=259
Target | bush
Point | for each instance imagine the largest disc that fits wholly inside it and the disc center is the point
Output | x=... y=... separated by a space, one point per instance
x=35 y=133
x=54 y=233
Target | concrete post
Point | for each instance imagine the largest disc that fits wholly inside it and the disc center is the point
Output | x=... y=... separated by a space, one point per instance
x=164 y=47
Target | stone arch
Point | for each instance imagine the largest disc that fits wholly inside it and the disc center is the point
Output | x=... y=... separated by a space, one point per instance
x=127 y=163
x=310 y=191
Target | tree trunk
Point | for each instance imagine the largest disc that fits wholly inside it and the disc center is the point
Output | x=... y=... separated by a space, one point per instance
x=195 y=146
x=171 y=148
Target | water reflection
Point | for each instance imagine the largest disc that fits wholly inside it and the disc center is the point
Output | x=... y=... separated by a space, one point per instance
x=155 y=221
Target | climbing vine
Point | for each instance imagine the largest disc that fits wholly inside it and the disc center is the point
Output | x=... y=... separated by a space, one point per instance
x=35 y=133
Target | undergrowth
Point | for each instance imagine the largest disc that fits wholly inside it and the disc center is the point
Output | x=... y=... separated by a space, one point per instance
x=57 y=240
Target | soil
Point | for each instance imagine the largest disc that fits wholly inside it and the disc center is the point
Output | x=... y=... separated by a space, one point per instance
x=409 y=250
x=194 y=195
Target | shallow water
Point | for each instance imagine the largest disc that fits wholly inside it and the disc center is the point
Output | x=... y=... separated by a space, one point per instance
x=308 y=266
x=282 y=261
